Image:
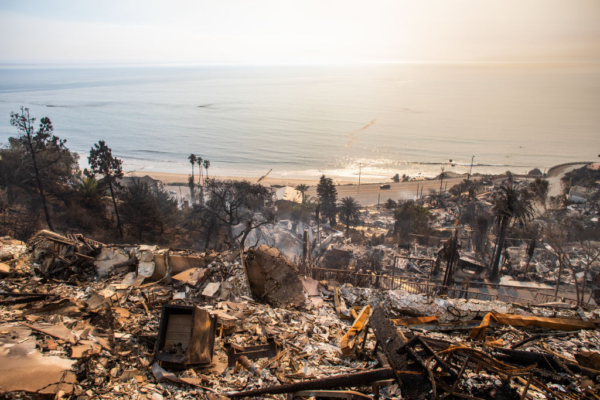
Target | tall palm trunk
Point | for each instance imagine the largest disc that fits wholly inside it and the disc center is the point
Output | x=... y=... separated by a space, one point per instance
x=39 y=183
x=200 y=184
x=112 y=194
x=348 y=225
x=495 y=274
x=560 y=268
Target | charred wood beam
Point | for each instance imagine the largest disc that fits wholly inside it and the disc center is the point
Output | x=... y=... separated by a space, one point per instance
x=545 y=361
x=25 y=299
x=332 y=382
x=391 y=341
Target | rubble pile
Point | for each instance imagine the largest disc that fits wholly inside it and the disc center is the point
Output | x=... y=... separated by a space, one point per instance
x=83 y=320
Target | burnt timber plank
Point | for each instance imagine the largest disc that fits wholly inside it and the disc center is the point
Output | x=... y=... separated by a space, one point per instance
x=331 y=382
x=415 y=387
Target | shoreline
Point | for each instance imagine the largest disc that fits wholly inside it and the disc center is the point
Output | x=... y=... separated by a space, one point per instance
x=169 y=178
x=174 y=179
x=368 y=193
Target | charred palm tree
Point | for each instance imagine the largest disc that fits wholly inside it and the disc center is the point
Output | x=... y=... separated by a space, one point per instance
x=510 y=204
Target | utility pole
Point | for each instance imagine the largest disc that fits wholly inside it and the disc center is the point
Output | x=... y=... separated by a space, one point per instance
x=417 y=191
x=471 y=170
x=359 y=171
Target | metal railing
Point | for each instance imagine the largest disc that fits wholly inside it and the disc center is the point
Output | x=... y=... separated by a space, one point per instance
x=417 y=287
x=541 y=298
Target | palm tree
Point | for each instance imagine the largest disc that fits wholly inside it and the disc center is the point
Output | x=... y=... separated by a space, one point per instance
x=348 y=210
x=509 y=204
x=192 y=159
x=206 y=166
x=199 y=162
x=88 y=189
x=302 y=188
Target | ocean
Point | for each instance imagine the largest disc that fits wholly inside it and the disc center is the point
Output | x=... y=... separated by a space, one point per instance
x=304 y=121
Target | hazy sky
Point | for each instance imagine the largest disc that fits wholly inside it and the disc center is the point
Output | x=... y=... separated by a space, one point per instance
x=300 y=31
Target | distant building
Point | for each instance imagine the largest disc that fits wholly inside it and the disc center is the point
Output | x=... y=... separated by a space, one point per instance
x=535 y=173
x=289 y=193
x=128 y=180
x=579 y=194
x=594 y=166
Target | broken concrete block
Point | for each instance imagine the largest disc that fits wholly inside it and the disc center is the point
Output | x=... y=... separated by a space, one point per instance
x=107 y=258
x=211 y=289
x=146 y=268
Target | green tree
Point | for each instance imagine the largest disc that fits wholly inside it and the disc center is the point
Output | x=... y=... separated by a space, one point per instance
x=89 y=192
x=327 y=194
x=103 y=162
x=349 y=211
x=35 y=143
x=411 y=218
x=302 y=188
x=167 y=206
x=391 y=204
x=140 y=208
x=232 y=202
x=509 y=205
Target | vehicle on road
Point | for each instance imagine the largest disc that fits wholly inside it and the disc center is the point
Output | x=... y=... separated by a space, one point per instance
x=385 y=186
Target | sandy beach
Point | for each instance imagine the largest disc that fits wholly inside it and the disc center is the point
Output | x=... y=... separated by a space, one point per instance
x=369 y=193
x=170 y=179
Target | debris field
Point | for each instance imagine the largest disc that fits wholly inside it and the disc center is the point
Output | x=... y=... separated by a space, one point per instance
x=83 y=320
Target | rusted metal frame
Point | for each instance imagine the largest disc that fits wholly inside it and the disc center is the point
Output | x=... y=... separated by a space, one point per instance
x=341 y=394
x=460 y=373
x=419 y=340
x=234 y=352
x=376 y=385
x=552 y=392
x=332 y=382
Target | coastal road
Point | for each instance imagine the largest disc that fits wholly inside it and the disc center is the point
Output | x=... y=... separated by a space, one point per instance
x=369 y=192
x=554 y=177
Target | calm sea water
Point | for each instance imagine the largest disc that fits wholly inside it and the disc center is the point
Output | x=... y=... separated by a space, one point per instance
x=309 y=120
